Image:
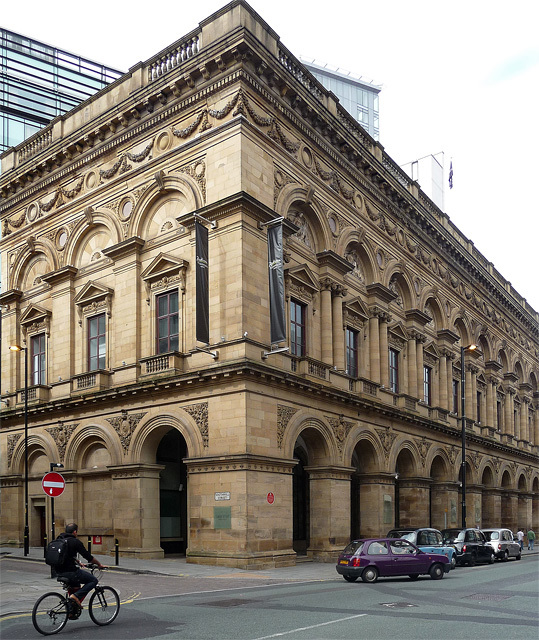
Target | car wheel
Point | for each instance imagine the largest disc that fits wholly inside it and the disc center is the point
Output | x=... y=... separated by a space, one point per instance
x=505 y=555
x=491 y=559
x=453 y=562
x=472 y=560
x=436 y=572
x=350 y=578
x=519 y=556
x=370 y=574
x=414 y=576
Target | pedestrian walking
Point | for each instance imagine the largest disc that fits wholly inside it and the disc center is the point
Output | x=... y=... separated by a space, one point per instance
x=520 y=538
x=531 y=539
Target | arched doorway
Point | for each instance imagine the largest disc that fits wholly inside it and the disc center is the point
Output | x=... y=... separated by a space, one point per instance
x=171 y=451
x=301 y=499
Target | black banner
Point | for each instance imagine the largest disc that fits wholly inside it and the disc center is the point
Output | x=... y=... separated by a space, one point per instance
x=202 y=282
x=276 y=284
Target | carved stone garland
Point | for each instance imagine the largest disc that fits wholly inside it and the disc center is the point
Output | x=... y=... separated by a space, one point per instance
x=284 y=415
x=199 y=412
x=124 y=426
x=61 y=435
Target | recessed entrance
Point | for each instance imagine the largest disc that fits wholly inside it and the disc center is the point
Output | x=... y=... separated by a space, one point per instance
x=173 y=492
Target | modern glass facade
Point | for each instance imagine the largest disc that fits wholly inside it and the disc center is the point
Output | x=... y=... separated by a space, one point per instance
x=359 y=98
x=39 y=82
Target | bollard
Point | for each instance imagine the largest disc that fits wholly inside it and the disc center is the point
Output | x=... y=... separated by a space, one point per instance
x=44 y=545
x=117 y=551
x=89 y=544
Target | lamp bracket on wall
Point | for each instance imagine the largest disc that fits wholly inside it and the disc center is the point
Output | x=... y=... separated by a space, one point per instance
x=213 y=354
x=265 y=354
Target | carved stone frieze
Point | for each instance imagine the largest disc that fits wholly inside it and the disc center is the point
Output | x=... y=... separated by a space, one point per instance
x=476 y=458
x=284 y=415
x=452 y=453
x=61 y=435
x=199 y=412
x=280 y=180
x=12 y=440
x=125 y=426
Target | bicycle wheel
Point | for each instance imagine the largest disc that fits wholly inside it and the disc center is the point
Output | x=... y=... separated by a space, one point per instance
x=104 y=605
x=49 y=614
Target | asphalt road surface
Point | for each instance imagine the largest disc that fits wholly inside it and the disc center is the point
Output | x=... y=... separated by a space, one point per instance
x=490 y=602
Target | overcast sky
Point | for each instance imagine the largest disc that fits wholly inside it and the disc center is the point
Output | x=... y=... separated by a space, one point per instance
x=457 y=77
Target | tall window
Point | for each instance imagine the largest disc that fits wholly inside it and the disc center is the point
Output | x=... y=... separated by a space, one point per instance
x=499 y=414
x=427 y=384
x=455 y=396
x=352 y=352
x=37 y=350
x=168 y=322
x=297 y=328
x=394 y=370
x=97 y=342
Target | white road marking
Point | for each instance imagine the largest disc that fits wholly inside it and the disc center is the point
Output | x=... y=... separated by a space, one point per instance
x=313 y=626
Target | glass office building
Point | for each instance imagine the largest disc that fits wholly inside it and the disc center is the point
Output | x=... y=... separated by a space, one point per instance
x=39 y=82
x=358 y=97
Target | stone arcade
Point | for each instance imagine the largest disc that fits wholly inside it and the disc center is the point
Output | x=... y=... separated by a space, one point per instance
x=219 y=450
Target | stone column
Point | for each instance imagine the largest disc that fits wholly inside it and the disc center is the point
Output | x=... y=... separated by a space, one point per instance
x=338 y=330
x=492 y=507
x=491 y=404
x=330 y=511
x=508 y=413
x=524 y=420
x=412 y=365
x=420 y=340
x=376 y=503
x=442 y=494
x=413 y=500
x=473 y=375
x=326 y=321
x=536 y=424
x=384 y=350
x=509 y=510
x=374 y=347
x=474 y=506
x=443 y=402
x=135 y=508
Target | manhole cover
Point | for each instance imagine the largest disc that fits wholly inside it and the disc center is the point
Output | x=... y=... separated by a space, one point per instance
x=232 y=602
x=487 y=596
x=396 y=605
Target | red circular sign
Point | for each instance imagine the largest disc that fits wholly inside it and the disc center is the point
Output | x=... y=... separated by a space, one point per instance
x=271 y=498
x=53 y=484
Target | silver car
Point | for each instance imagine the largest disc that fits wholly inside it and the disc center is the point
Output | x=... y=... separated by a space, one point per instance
x=503 y=543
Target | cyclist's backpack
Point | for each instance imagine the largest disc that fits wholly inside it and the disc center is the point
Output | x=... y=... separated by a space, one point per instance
x=56 y=553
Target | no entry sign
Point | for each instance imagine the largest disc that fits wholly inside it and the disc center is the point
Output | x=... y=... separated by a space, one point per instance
x=53 y=484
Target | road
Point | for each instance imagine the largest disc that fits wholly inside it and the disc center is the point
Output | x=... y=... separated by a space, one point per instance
x=498 y=602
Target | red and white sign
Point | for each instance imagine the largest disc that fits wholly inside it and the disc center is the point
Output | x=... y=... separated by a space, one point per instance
x=97 y=540
x=270 y=498
x=53 y=484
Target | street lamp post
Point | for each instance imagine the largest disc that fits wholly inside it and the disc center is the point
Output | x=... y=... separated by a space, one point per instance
x=470 y=347
x=26 y=536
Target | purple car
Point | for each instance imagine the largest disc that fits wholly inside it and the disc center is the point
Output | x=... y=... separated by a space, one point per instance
x=368 y=559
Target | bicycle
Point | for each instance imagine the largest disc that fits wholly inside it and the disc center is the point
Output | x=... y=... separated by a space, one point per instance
x=52 y=611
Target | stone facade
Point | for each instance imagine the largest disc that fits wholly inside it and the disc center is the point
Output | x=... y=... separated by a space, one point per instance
x=233 y=454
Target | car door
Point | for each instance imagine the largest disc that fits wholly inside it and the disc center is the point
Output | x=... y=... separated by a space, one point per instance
x=406 y=558
x=378 y=555
x=484 y=550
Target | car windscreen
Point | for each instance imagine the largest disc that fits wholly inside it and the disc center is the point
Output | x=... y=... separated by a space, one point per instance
x=407 y=535
x=354 y=547
x=453 y=535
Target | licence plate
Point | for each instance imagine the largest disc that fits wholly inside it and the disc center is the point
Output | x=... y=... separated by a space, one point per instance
x=343 y=561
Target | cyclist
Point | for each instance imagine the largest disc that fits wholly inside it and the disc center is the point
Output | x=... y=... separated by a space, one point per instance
x=71 y=567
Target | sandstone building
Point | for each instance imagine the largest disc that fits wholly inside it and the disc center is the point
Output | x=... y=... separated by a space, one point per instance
x=239 y=452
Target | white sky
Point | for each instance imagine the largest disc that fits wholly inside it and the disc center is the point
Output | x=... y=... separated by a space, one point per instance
x=458 y=77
